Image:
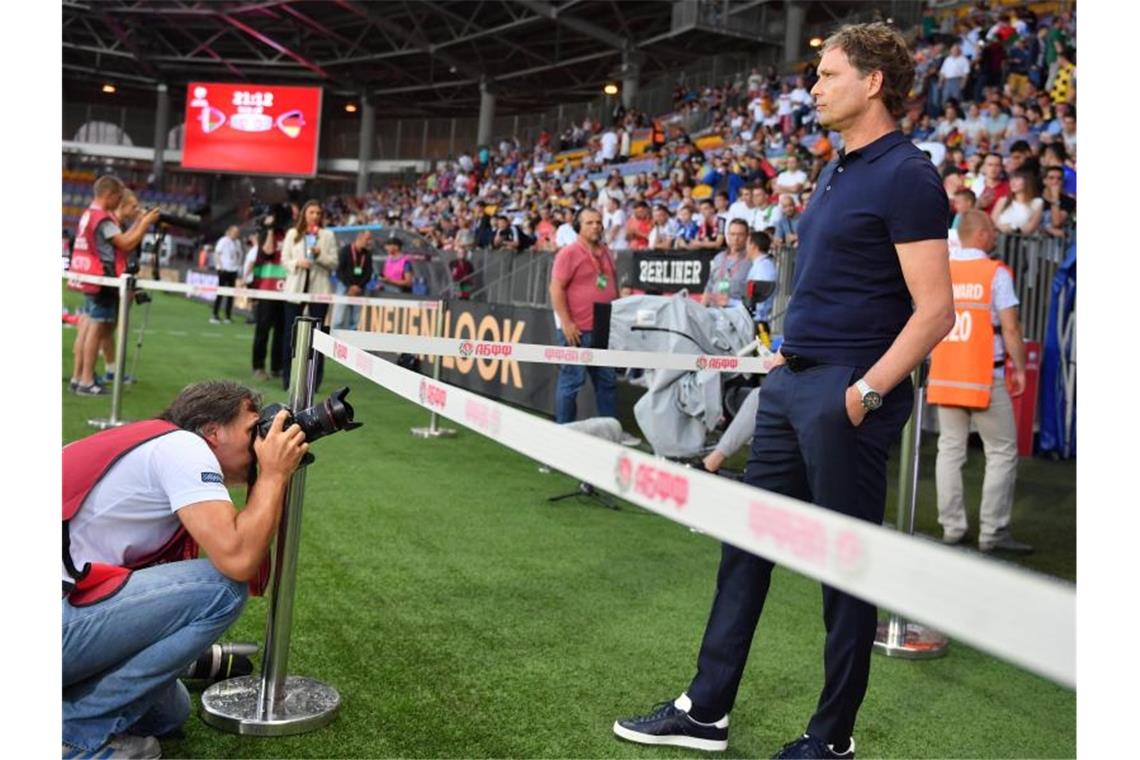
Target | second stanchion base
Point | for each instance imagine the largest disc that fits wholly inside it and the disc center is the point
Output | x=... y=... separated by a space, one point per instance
x=232 y=705
x=427 y=432
x=104 y=424
x=909 y=641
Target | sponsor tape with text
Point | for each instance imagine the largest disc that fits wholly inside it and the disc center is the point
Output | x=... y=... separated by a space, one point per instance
x=1024 y=617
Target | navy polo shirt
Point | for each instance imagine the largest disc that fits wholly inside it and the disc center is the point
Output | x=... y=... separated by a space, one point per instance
x=849 y=300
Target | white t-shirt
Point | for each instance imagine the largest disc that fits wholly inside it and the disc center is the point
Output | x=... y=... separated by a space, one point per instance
x=955 y=67
x=609 y=145
x=609 y=221
x=565 y=235
x=227 y=254
x=756 y=106
x=130 y=513
x=740 y=210
x=787 y=178
x=1003 y=297
x=766 y=217
x=1017 y=214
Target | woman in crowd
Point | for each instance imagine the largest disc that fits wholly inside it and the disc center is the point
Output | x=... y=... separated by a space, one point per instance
x=309 y=255
x=1020 y=212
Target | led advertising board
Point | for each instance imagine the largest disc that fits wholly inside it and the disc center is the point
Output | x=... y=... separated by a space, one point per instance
x=252 y=128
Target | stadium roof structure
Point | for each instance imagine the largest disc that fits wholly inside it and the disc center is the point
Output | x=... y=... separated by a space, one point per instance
x=418 y=57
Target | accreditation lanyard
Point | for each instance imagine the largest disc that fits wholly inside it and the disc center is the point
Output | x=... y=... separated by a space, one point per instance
x=726 y=276
x=597 y=264
x=357 y=263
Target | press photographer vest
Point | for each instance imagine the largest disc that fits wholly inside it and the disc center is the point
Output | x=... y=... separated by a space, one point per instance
x=85 y=463
x=962 y=364
x=85 y=256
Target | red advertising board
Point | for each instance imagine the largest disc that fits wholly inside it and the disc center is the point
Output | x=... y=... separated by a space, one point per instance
x=252 y=128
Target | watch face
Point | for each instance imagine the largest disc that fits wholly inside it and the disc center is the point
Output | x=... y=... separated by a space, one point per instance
x=872 y=401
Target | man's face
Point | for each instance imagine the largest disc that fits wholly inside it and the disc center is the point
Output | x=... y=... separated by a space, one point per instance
x=641 y=212
x=746 y=195
x=721 y=203
x=1053 y=180
x=128 y=208
x=736 y=237
x=841 y=95
x=660 y=216
x=952 y=183
x=392 y=249
x=685 y=214
x=364 y=241
x=590 y=227
x=231 y=444
x=1070 y=123
x=962 y=203
x=787 y=207
x=793 y=163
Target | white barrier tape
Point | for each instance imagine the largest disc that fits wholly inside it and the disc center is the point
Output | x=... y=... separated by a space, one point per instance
x=534 y=352
x=1023 y=617
x=260 y=295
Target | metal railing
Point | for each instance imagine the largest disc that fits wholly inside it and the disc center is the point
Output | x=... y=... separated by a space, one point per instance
x=523 y=278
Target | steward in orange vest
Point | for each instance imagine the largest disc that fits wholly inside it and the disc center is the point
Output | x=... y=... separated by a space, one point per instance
x=962 y=365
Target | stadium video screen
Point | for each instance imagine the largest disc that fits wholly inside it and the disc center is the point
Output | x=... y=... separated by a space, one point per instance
x=252 y=128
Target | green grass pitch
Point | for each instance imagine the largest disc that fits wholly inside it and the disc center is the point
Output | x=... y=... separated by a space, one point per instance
x=461 y=615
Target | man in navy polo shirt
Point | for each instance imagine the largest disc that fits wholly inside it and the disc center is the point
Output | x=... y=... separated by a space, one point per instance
x=871 y=297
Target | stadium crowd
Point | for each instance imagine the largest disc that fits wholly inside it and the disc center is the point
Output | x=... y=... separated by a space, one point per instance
x=993 y=105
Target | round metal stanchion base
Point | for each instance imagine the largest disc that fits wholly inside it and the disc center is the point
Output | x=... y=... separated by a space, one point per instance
x=232 y=705
x=104 y=424
x=426 y=432
x=912 y=642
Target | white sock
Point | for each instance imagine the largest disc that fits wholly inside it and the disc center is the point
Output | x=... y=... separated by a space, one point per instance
x=684 y=704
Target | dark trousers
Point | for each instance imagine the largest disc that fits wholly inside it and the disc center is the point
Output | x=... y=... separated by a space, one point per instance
x=317 y=311
x=805 y=446
x=225 y=280
x=270 y=320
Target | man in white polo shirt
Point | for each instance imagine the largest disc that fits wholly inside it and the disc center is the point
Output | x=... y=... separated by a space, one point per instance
x=138 y=606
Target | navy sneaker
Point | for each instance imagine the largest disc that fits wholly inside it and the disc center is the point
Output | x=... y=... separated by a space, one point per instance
x=811 y=748
x=91 y=390
x=668 y=724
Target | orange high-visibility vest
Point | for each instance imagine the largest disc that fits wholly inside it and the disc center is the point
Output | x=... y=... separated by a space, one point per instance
x=962 y=364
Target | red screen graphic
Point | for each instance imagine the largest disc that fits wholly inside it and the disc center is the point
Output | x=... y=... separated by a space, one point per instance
x=252 y=128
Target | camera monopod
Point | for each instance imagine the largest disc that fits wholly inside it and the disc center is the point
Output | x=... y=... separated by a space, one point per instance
x=159 y=239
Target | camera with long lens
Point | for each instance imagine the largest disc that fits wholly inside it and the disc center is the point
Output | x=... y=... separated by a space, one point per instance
x=327 y=417
x=221 y=661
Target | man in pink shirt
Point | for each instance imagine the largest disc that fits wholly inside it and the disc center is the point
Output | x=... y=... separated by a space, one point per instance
x=583 y=274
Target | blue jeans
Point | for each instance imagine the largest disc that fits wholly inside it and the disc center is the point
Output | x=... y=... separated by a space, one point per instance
x=345 y=316
x=571 y=378
x=122 y=656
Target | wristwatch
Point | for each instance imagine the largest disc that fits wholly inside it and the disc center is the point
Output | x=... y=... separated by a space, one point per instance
x=871 y=398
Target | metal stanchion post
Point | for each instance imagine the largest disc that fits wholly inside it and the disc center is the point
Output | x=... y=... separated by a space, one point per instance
x=896 y=636
x=126 y=283
x=433 y=430
x=275 y=703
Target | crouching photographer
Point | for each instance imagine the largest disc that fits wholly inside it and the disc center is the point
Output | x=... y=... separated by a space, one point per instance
x=138 y=606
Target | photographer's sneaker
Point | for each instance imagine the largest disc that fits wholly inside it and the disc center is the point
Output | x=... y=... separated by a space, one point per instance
x=215 y=321
x=671 y=725
x=810 y=748
x=120 y=746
